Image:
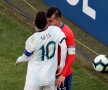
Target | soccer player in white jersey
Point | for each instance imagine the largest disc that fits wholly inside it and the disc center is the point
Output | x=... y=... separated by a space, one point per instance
x=41 y=52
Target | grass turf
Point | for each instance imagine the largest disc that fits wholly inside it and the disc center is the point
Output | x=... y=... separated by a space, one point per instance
x=13 y=34
x=12 y=38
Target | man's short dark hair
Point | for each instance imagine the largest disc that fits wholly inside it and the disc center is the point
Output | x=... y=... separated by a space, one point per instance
x=54 y=11
x=40 y=20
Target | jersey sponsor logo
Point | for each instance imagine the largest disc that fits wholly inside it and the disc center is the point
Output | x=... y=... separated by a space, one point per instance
x=85 y=8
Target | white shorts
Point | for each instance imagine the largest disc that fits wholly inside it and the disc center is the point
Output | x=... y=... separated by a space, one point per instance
x=48 y=87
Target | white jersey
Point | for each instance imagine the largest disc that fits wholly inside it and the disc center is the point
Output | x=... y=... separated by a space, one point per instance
x=41 y=51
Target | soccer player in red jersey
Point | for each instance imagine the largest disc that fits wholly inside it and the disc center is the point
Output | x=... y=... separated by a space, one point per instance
x=64 y=75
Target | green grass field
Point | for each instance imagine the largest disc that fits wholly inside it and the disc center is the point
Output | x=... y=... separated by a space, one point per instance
x=13 y=34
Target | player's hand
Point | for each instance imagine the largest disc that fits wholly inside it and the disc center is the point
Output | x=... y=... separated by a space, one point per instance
x=16 y=63
x=60 y=81
x=59 y=70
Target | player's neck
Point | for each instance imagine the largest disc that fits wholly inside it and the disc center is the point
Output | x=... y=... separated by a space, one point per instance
x=59 y=24
x=40 y=30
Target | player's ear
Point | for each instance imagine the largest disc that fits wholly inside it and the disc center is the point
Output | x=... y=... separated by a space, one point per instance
x=33 y=23
x=35 y=28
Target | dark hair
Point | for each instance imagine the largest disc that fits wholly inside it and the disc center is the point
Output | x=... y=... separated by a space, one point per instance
x=40 y=20
x=54 y=11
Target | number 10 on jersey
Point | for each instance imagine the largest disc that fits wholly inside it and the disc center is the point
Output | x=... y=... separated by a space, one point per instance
x=48 y=51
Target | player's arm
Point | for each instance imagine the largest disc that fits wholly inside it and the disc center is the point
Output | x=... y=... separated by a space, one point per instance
x=29 y=49
x=69 y=58
x=63 y=46
x=63 y=51
x=70 y=41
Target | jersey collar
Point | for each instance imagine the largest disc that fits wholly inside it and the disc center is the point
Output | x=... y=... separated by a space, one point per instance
x=62 y=25
x=42 y=30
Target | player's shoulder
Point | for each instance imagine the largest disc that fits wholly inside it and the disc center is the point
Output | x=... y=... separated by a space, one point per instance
x=67 y=27
x=31 y=38
x=67 y=30
x=54 y=27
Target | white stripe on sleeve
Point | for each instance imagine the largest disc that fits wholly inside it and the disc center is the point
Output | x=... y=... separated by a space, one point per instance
x=71 y=50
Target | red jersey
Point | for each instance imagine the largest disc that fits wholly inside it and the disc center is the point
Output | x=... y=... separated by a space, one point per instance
x=70 y=42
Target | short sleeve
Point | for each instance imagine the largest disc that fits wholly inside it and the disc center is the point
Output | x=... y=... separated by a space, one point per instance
x=61 y=37
x=30 y=44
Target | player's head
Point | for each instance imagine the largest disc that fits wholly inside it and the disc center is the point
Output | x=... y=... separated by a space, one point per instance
x=54 y=15
x=40 y=20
